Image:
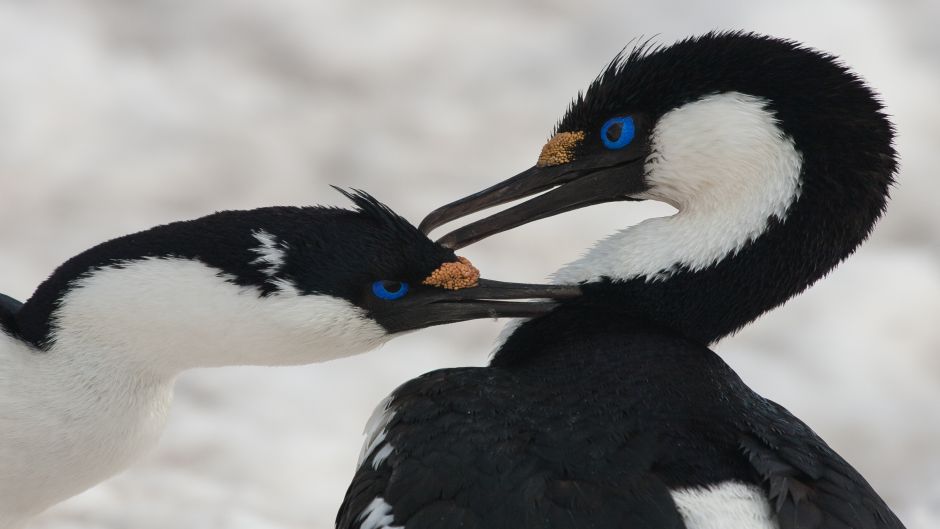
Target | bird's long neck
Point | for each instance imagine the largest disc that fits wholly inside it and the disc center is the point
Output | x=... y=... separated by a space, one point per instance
x=159 y=316
x=758 y=219
x=707 y=300
x=731 y=278
x=591 y=346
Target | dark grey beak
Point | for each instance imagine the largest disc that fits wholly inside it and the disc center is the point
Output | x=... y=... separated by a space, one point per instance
x=603 y=177
x=427 y=306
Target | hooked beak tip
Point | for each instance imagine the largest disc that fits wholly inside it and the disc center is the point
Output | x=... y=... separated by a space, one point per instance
x=565 y=189
x=448 y=241
x=427 y=225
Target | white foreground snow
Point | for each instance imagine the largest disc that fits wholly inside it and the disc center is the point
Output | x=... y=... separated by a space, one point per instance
x=115 y=116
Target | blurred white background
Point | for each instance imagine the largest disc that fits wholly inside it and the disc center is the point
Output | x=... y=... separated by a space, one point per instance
x=116 y=116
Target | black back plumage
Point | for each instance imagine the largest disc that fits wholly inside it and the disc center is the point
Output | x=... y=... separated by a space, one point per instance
x=596 y=430
x=326 y=250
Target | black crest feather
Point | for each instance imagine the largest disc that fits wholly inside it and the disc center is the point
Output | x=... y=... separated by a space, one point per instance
x=371 y=207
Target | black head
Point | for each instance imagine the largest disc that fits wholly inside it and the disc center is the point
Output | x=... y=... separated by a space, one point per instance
x=700 y=124
x=370 y=257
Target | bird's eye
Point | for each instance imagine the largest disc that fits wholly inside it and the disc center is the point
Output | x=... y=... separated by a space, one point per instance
x=390 y=290
x=617 y=133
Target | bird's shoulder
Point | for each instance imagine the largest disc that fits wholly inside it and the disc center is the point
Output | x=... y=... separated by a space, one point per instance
x=498 y=447
x=472 y=447
x=808 y=484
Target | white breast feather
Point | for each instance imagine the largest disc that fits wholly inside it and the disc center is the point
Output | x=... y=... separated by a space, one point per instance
x=728 y=505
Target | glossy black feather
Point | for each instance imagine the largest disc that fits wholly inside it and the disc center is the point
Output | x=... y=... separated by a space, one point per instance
x=810 y=485
x=594 y=431
x=391 y=222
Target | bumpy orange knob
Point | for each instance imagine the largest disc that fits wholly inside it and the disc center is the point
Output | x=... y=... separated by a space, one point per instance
x=454 y=276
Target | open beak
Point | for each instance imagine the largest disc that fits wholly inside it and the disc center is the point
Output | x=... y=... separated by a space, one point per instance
x=428 y=306
x=602 y=177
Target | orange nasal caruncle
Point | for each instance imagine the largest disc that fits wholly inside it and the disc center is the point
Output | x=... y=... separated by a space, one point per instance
x=560 y=149
x=454 y=276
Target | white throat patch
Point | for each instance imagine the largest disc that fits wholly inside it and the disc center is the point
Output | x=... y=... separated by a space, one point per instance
x=723 y=162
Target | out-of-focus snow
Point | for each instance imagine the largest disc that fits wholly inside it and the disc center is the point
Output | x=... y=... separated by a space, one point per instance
x=115 y=116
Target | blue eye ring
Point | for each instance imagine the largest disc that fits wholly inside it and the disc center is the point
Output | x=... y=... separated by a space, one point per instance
x=381 y=290
x=627 y=131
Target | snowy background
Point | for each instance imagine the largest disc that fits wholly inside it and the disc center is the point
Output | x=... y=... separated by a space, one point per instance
x=116 y=115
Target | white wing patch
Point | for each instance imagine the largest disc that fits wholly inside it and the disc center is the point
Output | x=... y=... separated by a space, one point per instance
x=270 y=254
x=728 y=505
x=378 y=515
x=723 y=162
x=375 y=434
x=382 y=454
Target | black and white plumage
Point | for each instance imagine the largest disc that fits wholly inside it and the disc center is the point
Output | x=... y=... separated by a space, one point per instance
x=612 y=411
x=588 y=418
x=87 y=364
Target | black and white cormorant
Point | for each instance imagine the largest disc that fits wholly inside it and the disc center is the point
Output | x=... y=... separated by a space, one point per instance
x=612 y=411
x=87 y=364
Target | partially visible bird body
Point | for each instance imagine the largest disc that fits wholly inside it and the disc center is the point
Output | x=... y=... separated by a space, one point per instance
x=69 y=421
x=98 y=396
x=87 y=364
x=588 y=419
x=612 y=411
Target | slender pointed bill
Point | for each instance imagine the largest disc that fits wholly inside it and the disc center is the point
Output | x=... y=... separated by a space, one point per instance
x=558 y=151
x=491 y=299
x=601 y=178
x=454 y=292
x=525 y=184
x=488 y=299
x=489 y=289
x=463 y=281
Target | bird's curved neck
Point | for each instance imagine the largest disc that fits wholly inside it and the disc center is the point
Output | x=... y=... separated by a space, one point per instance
x=590 y=343
x=727 y=168
x=164 y=315
x=707 y=303
x=757 y=221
